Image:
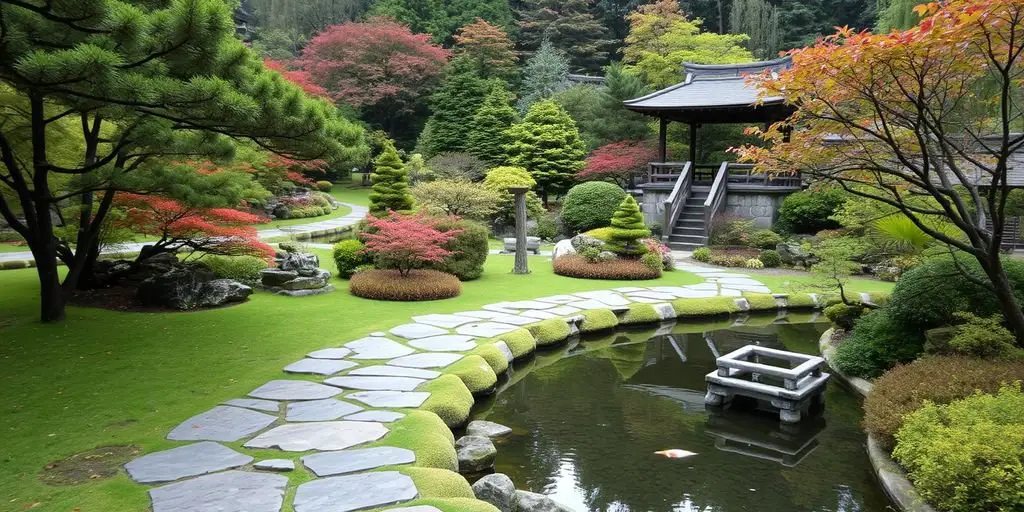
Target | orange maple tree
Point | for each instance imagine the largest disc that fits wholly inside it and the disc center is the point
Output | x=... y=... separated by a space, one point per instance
x=489 y=48
x=924 y=121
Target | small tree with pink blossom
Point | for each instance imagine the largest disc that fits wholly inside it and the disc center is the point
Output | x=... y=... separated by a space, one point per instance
x=406 y=242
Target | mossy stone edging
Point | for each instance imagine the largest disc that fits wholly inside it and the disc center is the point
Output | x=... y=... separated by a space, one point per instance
x=890 y=475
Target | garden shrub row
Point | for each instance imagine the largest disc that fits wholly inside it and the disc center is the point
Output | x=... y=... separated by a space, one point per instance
x=419 y=285
x=573 y=265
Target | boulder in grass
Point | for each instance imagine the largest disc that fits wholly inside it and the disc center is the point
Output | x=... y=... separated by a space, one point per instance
x=298 y=261
x=563 y=248
x=271 y=277
x=188 y=288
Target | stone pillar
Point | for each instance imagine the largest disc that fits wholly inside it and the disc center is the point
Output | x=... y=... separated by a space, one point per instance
x=521 y=266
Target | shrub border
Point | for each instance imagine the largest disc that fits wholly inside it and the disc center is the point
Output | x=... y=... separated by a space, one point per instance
x=890 y=475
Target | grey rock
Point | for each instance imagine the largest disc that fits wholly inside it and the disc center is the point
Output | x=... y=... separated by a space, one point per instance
x=533 y=502
x=354 y=492
x=322 y=436
x=319 y=366
x=186 y=288
x=607 y=256
x=390 y=398
x=413 y=331
x=435 y=360
x=305 y=293
x=329 y=353
x=230 y=491
x=276 y=277
x=378 y=416
x=562 y=248
x=221 y=423
x=476 y=454
x=304 y=283
x=580 y=242
x=487 y=429
x=486 y=329
x=375 y=383
x=498 y=490
x=320 y=410
x=395 y=371
x=445 y=343
x=298 y=261
x=375 y=347
x=184 y=461
x=507 y=352
x=294 y=390
x=279 y=465
x=253 y=403
x=349 y=461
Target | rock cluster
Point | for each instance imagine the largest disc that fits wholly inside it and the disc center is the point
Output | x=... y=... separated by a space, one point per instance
x=191 y=287
x=297 y=275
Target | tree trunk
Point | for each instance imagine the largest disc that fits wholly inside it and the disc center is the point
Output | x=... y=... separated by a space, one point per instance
x=51 y=294
x=993 y=267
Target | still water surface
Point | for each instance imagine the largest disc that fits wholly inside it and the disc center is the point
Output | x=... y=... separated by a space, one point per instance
x=588 y=418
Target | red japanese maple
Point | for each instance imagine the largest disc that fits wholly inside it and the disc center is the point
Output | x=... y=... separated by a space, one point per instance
x=210 y=230
x=405 y=242
x=296 y=76
x=618 y=161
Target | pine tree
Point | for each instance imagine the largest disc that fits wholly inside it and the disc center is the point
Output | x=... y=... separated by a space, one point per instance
x=569 y=25
x=488 y=131
x=546 y=73
x=627 y=229
x=548 y=144
x=759 y=20
x=442 y=18
x=390 y=184
x=460 y=95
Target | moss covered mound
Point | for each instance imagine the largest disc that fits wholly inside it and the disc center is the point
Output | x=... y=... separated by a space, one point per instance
x=495 y=357
x=598 y=320
x=549 y=332
x=449 y=398
x=761 y=301
x=454 y=504
x=438 y=483
x=705 y=307
x=475 y=373
x=520 y=342
x=640 y=314
x=426 y=434
x=800 y=300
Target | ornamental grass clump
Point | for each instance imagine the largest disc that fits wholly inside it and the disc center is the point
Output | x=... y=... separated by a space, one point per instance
x=417 y=285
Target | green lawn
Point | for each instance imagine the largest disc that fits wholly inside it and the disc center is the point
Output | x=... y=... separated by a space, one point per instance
x=6 y=247
x=108 y=378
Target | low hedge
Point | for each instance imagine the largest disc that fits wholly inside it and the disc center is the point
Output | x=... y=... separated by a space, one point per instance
x=621 y=269
x=939 y=379
x=418 y=285
x=640 y=314
x=438 y=483
x=244 y=269
x=705 y=307
x=967 y=456
x=549 y=332
x=761 y=301
x=426 y=434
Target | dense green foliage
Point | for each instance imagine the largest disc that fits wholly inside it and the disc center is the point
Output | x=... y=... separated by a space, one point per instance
x=877 y=342
x=348 y=256
x=489 y=125
x=702 y=254
x=591 y=205
x=770 y=257
x=627 y=228
x=457 y=99
x=499 y=180
x=244 y=269
x=390 y=184
x=442 y=18
x=981 y=337
x=570 y=25
x=967 y=456
x=759 y=20
x=545 y=73
x=598 y=110
x=808 y=211
x=469 y=248
x=548 y=145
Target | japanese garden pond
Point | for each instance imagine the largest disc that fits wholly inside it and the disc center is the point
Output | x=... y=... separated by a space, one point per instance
x=588 y=418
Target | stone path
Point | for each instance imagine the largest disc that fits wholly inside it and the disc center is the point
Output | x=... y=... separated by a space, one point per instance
x=351 y=395
x=357 y=214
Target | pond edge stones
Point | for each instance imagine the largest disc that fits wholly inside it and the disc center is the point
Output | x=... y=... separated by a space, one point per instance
x=476 y=454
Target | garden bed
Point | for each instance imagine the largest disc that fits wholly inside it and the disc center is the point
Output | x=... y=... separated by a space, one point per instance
x=418 y=285
x=620 y=269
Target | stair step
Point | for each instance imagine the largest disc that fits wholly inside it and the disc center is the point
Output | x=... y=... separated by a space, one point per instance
x=688 y=239
x=680 y=246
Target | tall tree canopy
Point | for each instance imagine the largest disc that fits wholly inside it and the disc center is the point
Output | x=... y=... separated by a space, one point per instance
x=759 y=20
x=379 y=67
x=546 y=73
x=897 y=15
x=442 y=18
x=571 y=27
x=598 y=110
x=303 y=18
x=175 y=84
x=487 y=134
x=548 y=145
x=489 y=49
x=453 y=105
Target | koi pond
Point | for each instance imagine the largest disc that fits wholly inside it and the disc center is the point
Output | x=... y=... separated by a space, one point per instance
x=589 y=417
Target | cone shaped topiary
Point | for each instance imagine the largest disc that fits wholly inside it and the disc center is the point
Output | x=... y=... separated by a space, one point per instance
x=390 y=183
x=627 y=229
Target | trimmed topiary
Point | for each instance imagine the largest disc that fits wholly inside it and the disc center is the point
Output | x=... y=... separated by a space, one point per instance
x=469 y=248
x=574 y=265
x=761 y=301
x=764 y=239
x=591 y=205
x=843 y=315
x=770 y=257
x=348 y=256
x=324 y=186
x=705 y=307
x=495 y=357
x=598 y=320
x=475 y=373
x=390 y=183
x=438 y=483
x=426 y=434
x=419 y=285
x=454 y=504
x=640 y=314
x=520 y=342
x=627 y=229
x=450 y=399
x=549 y=332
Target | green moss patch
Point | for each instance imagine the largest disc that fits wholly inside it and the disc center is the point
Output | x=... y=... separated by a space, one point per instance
x=454 y=505
x=426 y=434
x=438 y=483
x=598 y=320
x=549 y=332
x=495 y=358
x=800 y=300
x=475 y=373
x=761 y=301
x=449 y=398
x=520 y=342
x=705 y=307
x=640 y=314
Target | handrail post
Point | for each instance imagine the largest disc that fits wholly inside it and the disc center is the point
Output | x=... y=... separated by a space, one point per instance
x=678 y=196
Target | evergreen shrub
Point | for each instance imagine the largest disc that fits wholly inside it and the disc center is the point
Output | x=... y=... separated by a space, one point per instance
x=591 y=205
x=469 y=248
x=348 y=256
x=420 y=284
x=876 y=343
x=244 y=269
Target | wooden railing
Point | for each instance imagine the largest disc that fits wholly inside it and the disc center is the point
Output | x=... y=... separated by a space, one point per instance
x=716 y=197
x=665 y=172
x=677 y=199
x=743 y=174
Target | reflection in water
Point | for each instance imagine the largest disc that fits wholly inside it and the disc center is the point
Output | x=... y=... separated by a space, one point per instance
x=588 y=418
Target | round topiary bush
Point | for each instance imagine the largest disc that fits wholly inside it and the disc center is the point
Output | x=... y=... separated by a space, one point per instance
x=770 y=257
x=621 y=269
x=419 y=285
x=703 y=254
x=764 y=239
x=348 y=256
x=808 y=211
x=469 y=248
x=591 y=205
x=324 y=186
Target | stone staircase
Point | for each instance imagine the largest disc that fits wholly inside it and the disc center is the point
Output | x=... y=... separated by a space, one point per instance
x=689 y=231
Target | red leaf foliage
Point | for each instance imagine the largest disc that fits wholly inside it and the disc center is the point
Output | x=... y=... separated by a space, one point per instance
x=405 y=242
x=298 y=77
x=378 y=60
x=618 y=161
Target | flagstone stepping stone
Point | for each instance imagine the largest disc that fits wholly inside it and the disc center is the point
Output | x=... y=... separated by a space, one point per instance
x=539 y=315
x=348 y=461
x=725 y=292
x=354 y=492
x=319 y=366
x=381 y=416
x=391 y=398
x=320 y=410
x=371 y=383
x=378 y=333
x=395 y=371
x=654 y=295
x=500 y=309
x=279 y=465
x=184 y=461
x=445 y=343
x=505 y=350
x=321 y=436
x=630 y=289
x=563 y=310
x=526 y=304
x=644 y=300
x=435 y=360
x=698 y=294
x=413 y=331
x=596 y=294
x=294 y=390
x=222 y=423
x=486 y=329
x=589 y=304
x=417 y=508
x=740 y=280
x=446 y=321
x=751 y=289
x=702 y=286
x=375 y=347
x=230 y=491
x=330 y=353
x=253 y=403
x=558 y=299
x=484 y=315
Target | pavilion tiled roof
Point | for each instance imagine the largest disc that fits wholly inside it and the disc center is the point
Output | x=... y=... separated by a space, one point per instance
x=712 y=86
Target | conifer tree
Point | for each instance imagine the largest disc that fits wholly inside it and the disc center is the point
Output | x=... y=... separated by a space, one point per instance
x=571 y=26
x=460 y=95
x=546 y=73
x=627 y=229
x=548 y=145
x=759 y=20
x=488 y=131
x=390 y=183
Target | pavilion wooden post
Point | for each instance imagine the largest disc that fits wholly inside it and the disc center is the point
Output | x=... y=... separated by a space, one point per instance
x=521 y=266
x=663 y=139
x=693 y=143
